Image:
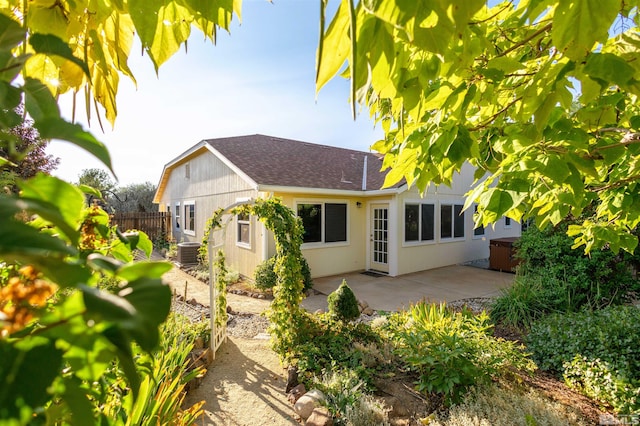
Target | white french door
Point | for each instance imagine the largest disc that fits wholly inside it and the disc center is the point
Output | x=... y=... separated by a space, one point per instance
x=379 y=237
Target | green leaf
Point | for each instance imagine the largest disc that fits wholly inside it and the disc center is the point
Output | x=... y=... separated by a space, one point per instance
x=104 y=263
x=579 y=24
x=608 y=68
x=65 y=197
x=19 y=241
x=75 y=395
x=148 y=269
x=334 y=47
x=57 y=128
x=152 y=300
x=123 y=349
x=50 y=44
x=28 y=367
x=11 y=33
x=39 y=101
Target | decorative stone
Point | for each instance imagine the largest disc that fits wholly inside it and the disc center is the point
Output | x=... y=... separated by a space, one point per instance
x=294 y=394
x=308 y=402
x=320 y=416
x=367 y=311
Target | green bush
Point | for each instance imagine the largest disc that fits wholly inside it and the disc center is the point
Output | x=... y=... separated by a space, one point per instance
x=571 y=279
x=343 y=304
x=327 y=344
x=606 y=342
x=265 y=278
x=452 y=351
x=528 y=299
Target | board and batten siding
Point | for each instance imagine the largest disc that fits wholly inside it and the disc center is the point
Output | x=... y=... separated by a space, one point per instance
x=211 y=184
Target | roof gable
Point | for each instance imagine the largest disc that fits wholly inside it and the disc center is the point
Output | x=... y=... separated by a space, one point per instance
x=271 y=161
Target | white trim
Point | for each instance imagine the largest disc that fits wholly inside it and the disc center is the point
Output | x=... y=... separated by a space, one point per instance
x=186 y=231
x=322 y=202
x=239 y=222
x=252 y=183
x=507 y=226
x=177 y=225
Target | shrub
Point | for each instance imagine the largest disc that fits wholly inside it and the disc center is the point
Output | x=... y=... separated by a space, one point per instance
x=343 y=304
x=606 y=342
x=571 y=279
x=453 y=351
x=265 y=277
x=528 y=299
x=496 y=405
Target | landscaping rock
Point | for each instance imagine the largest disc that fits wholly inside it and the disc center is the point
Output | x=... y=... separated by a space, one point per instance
x=294 y=394
x=367 y=311
x=320 y=417
x=308 y=402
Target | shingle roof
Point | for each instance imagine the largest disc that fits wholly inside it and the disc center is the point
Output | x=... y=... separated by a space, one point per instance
x=275 y=161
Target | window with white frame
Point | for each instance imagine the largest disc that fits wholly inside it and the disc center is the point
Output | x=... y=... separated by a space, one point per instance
x=479 y=231
x=451 y=221
x=190 y=217
x=419 y=222
x=177 y=215
x=323 y=222
x=187 y=171
x=507 y=222
x=243 y=236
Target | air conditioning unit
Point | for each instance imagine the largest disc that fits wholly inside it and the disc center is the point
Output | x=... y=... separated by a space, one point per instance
x=188 y=253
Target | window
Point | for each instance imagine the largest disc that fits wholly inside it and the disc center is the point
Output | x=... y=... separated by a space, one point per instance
x=323 y=222
x=451 y=221
x=187 y=171
x=243 y=237
x=177 y=210
x=507 y=222
x=190 y=217
x=479 y=231
x=419 y=222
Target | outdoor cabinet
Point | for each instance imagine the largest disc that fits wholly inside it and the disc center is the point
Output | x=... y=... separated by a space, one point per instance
x=502 y=254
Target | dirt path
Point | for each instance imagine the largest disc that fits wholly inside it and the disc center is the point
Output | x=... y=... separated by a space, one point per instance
x=245 y=384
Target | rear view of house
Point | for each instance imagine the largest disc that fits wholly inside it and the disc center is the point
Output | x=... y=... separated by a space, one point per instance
x=350 y=223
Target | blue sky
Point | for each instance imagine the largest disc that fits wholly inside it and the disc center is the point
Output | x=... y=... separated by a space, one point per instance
x=259 y=79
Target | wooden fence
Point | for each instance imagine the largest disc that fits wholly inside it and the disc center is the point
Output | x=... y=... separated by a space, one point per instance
x=156 y=225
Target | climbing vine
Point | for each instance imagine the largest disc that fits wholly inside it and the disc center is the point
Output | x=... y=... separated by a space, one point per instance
x=286 y=316
x=220 y=314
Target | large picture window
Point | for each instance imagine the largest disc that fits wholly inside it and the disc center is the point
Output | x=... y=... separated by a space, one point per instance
x=323 y=222
x=190 y=217
x=419 y=222
x=451 y=221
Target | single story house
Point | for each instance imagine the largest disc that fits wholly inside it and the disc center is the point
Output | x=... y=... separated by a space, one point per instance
x=351 y=224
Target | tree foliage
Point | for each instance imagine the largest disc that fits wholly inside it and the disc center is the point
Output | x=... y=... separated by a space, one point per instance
x=540 y=95
x=25 y=153
x=136 y=197
x=59 y=331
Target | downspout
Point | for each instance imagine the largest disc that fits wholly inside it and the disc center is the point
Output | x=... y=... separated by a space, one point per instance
x=364 y=174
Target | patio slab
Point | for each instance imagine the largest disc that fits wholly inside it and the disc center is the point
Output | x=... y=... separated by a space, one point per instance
x=396 y=293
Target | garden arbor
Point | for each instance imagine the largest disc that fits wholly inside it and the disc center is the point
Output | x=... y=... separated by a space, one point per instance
x=285 y=315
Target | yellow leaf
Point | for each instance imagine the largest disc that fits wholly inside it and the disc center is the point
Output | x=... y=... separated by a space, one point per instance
x=334 y=47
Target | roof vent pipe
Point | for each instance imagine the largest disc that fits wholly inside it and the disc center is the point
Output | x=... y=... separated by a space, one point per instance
x=364 y=174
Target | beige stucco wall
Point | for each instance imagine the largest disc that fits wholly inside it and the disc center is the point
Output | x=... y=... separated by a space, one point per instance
x=418 y=256
x=335 y=258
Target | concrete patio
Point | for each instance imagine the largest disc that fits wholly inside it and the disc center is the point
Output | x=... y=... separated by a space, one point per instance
x=395 y=293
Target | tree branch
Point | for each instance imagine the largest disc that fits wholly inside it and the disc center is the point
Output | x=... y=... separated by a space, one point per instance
x=526 y=40
x=494 y=116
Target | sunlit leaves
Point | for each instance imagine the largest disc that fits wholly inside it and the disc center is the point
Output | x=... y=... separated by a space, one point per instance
x=542 y=92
